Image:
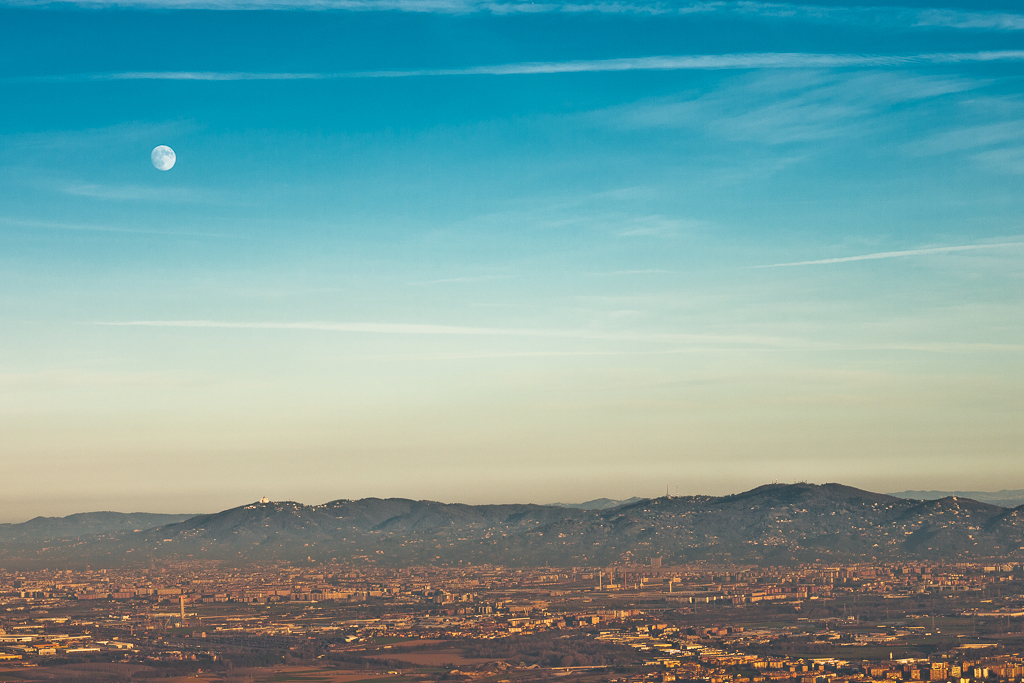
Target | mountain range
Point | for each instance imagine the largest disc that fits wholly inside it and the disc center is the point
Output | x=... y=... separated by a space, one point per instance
x=775 y=523
x=1007 y=498
x=84 y=524
x=599 y=503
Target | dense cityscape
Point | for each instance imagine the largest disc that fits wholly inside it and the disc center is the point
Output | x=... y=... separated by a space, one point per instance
x=809 y=623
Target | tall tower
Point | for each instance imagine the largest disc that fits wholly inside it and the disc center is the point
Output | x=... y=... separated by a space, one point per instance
x=181 y=600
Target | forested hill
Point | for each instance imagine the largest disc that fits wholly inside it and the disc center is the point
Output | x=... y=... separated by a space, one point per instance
x=83 y=524
x=776 y=523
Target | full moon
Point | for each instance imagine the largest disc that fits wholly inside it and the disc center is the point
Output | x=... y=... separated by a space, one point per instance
x=163 y=158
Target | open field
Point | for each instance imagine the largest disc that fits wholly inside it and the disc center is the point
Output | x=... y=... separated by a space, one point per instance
x=437 y=658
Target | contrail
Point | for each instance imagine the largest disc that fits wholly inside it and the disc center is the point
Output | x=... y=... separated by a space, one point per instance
x=458 y=330
x=758 y=60
x=894 y=254
x=688 y=342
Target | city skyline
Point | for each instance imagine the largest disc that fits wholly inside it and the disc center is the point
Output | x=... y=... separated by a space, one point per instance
x=506 y=252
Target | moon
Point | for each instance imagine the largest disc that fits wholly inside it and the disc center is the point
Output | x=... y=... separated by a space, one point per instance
x=163 y=158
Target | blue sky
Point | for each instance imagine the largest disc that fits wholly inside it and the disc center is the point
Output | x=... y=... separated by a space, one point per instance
x=490 y=251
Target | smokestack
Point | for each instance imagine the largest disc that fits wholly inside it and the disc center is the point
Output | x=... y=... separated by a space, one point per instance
x=181 y=599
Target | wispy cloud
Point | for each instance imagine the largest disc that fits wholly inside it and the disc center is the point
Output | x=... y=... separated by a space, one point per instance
x=952 y=18
x=760 y=60
x=896 y=254
x=793 y=107
x=457 y=330
x=134 y=192
x=972 y=137
x=654 y=225
x=458 y=280
x=97 y=138
x=1008 y=159
x=884 y=16
x=990 y=130
x=715 y=342
x=85 y=227
x=645 y=271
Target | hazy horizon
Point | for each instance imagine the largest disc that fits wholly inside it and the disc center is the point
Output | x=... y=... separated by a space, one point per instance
x=14 y=516
x=495 y=252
